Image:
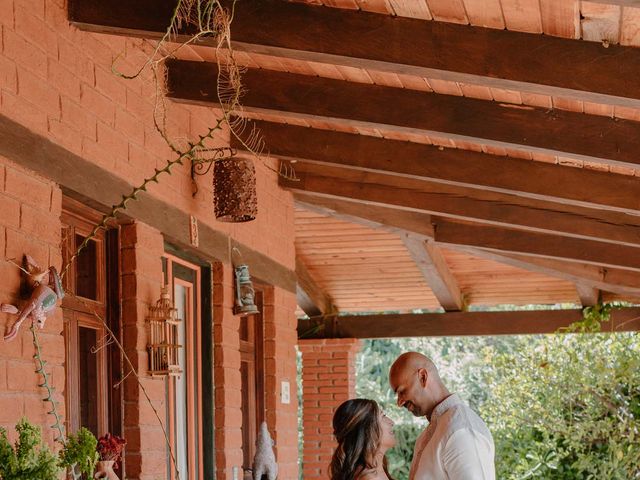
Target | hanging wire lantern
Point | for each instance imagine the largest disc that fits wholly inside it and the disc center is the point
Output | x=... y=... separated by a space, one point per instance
x=164 y=349
x=234 y=190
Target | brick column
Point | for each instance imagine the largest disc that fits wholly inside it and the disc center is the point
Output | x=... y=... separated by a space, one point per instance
x=141 y=270
x=328 y=379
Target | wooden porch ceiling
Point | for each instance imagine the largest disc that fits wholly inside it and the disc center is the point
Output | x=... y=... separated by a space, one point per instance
x=441 y=163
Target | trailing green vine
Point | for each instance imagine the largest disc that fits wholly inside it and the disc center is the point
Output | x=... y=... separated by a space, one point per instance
x=592 y=319
x=40 y=370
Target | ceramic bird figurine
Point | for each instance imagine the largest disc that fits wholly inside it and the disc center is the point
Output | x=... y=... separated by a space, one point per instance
x=46 y=290
x=264 y=461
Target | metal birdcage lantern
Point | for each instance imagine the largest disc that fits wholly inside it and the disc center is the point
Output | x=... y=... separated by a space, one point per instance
x=164 y=346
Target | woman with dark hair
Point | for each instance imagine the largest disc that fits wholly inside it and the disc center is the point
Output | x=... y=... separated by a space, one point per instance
x=364 y=433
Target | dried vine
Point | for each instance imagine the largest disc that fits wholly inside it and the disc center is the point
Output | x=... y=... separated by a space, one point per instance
x=194 y=148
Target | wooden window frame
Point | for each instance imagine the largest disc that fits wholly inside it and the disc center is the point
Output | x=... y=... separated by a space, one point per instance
x=80 y=312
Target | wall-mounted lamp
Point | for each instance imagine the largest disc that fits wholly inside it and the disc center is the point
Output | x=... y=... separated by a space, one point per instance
x=245 y=294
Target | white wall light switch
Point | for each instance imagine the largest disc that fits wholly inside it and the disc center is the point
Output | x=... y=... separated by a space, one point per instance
x=285 y=392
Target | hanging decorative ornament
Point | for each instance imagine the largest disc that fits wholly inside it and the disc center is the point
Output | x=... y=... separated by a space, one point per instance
x=164 y=347
x=234 y=190
x=45 y=289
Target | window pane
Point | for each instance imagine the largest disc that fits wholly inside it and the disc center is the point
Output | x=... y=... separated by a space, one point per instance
x=87 y=339
x=244 y=328
x=87 y=270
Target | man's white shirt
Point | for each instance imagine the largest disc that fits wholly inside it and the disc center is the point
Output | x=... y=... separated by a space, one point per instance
x=457 y=445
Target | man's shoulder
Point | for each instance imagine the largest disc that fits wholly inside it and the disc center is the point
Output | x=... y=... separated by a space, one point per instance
x=461 y=416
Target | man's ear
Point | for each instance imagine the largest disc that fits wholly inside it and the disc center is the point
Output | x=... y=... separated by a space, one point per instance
x=423 y=377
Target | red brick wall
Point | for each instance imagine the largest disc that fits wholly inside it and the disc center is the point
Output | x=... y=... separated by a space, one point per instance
x=141 y=270
x=280 y=338
x=56 y=81
x=280 y=364
x=328 y=379
x=29 y=223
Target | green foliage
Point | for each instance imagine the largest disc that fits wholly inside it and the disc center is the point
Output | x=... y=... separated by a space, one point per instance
x=30 y=459
x=566 y=407
x=79 y=452
x=399 y=457
x=559 y=406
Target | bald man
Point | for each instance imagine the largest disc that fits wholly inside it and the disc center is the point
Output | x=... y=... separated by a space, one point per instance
x=457 y=445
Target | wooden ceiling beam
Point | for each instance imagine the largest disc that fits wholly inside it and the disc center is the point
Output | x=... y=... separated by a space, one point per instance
x=588 y=295
x=389 y=219
x=543 y=245
x=463 y=323
x=310 y=297
x=571 y=186
x=623 y=282
x=540 y=64
x=436 y=272
x=464 y=203
x=554 y=132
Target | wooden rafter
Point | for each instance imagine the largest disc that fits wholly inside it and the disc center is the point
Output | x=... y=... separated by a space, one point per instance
x=434 y=268
x=571 y=186
x=588 y=295
x=311 y=298
x=555 y=132
x=543 y=245
x=624 y=282
x=465 y=203
x=389 y=219
x=464 y=323
x=489 y=57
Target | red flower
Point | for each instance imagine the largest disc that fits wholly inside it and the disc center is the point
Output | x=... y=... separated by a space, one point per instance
x=110 y=447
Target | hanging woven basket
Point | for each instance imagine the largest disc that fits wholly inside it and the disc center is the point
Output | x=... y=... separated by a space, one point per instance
x=234 y=190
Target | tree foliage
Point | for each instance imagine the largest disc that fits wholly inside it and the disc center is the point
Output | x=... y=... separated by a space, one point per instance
x=559 y=406
x=566 y=407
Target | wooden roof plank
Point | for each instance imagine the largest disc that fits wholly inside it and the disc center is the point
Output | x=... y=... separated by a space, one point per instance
x=511 y=60
x=522 y=15
x=485 y=13
x=600 y=22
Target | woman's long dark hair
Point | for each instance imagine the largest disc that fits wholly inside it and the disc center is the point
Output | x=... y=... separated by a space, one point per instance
x=356 y=427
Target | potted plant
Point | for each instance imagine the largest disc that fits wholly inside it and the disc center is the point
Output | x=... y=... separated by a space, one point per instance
x=29 y=458
x=109 y=450
x=79 y=454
